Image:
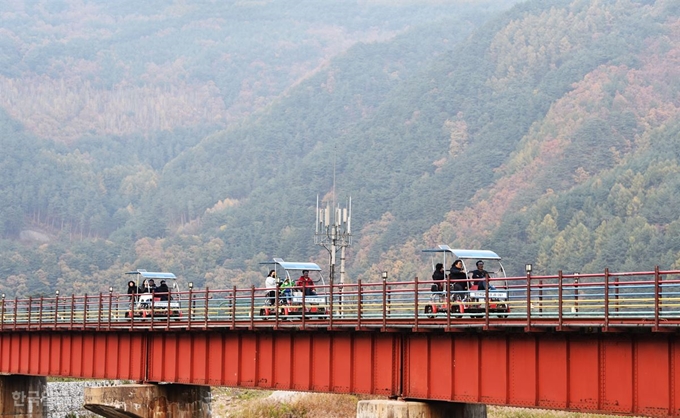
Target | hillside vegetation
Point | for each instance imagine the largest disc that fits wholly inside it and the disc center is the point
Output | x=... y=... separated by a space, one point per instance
x=73 y=67
x=548 y=133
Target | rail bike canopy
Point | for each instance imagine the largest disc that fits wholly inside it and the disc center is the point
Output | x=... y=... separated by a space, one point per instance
x=469 y=258
x=293 y=268
x=462 y=253
x=155 y=275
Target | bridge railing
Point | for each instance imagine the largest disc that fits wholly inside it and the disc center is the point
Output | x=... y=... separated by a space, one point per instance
x=648 y=298
x=619 y=295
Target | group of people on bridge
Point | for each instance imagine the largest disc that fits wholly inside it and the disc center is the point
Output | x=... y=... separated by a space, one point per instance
x=458 y=278
x=148 y=286
x=286 y=286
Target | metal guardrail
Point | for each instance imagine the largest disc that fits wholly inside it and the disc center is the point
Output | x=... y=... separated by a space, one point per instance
x=649 y=299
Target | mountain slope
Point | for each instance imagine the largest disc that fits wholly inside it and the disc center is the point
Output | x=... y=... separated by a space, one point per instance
x=627 y=61
x=72 y=68
x=549 y=135
x=447 y=147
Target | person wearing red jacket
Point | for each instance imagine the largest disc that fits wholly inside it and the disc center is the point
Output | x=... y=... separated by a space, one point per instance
x=306 y=283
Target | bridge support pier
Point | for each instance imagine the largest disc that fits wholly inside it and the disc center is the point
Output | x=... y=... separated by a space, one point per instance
x=149 y=401
x=420 y=409
x=22 y=396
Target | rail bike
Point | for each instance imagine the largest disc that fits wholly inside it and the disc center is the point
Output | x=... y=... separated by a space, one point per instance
x=465 y=295
x=147 y=305
x=292 y=300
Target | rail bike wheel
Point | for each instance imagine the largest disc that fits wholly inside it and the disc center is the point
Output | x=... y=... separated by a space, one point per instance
x=503 y=311
x=428 y=311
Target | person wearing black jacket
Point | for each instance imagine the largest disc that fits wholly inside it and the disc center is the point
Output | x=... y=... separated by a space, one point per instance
x=162 y=291
x=457 y=276
x=439 y=275
x=481 y=275
x=132 y=290
x=148 y=286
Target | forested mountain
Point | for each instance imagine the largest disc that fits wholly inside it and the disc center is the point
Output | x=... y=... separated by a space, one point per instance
x=547 y=132
x=74 y=67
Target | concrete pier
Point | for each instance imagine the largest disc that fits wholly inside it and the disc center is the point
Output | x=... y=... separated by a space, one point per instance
x=414 y=409
x=149 y=401
x=22 y=396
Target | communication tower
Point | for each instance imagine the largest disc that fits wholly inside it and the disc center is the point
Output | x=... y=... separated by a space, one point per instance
x=333 y=232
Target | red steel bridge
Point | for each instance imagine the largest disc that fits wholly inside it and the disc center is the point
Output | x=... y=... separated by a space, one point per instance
x=603 y=342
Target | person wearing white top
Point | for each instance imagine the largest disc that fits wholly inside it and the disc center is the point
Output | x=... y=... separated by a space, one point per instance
x=270 y=283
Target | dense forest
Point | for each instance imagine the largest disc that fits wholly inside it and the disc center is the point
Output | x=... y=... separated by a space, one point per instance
x=196 y=138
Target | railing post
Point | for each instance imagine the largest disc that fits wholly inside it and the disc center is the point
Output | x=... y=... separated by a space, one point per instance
x=303 y=311
x=40 y=317
x=415 y=304
x=233 y=309
x=110 y=306
x=16 y=312
x=559 y=300
x=341 y=300
x=277 y=297
x=153 y=311
x=56 y=308
x=30 y=308
x=100 y=310
x=207 y=298
x=486 y=302
x=384 y=298
x=576 y=293
x=168 y=311
x=606 y=299
x=448 y=304
x=330 y=306
x=657 y=289
x=131 y=312
x=73 y=306
x=389 y=300
x=252 y=306
x=190 y=305
x=85 y=310
x=528 y=327
x=540 y=297
x=2 y=314
x=359 y=303
x=616 y=293
x=658 y=273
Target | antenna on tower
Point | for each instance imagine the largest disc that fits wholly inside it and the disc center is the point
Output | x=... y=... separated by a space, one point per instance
x=333 y=230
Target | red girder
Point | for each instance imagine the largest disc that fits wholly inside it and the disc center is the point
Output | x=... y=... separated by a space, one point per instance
x=621 y=373
x=306 y=361
x=610 y=373
x=81 y=354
